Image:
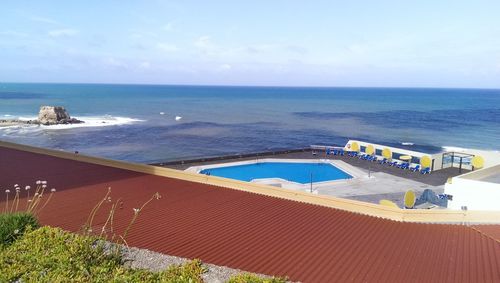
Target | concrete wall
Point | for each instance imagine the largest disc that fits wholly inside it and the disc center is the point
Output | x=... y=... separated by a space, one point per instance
x=437 y=157
x=473 y=191
x=475 y=195
x=406 y=215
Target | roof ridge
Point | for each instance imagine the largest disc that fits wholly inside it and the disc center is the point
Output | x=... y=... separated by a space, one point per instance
x=485 y=234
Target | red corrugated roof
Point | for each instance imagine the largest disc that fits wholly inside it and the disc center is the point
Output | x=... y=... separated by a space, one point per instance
x=491 y=230
x=257 y=233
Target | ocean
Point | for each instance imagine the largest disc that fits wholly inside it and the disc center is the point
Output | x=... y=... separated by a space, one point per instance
x=156 y=123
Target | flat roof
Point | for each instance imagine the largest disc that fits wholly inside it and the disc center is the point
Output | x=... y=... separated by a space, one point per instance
x=253 y=232
x=495 y=178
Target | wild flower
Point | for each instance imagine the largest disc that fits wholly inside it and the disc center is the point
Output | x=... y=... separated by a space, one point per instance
x=7 y=191
x=33 y=203
x=16 y=231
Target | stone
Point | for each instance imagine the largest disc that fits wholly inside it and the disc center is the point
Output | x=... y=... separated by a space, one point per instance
x=53 y=115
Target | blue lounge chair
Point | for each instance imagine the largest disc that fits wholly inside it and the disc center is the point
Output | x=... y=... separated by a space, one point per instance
x=328 y=152
x=394 y=163
x=383 y=161
x=416 y=168
x=404 y=166
x=426 y=170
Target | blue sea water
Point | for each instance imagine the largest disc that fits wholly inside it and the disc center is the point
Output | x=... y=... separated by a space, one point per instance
x=296 y=172
x=138 y=122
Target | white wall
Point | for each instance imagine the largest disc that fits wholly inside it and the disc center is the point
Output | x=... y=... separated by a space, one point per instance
x=475 y=194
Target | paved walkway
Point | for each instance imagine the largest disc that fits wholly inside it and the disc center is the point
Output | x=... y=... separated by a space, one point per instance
x=385 y=182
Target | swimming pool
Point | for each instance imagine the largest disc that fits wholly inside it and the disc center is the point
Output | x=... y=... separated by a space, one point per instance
x=302 y=173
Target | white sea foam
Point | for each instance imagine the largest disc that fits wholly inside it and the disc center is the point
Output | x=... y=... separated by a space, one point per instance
x=455 y=148
x=89 y=121
x=407 y=143
x=99 y=121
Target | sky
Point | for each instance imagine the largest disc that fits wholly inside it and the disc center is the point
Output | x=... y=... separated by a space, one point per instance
x=446 y=43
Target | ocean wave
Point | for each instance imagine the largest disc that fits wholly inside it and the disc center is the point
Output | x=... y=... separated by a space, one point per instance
x=89 y=121
x=454 y=148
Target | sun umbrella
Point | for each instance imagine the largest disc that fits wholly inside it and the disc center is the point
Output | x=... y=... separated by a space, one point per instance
x=425 y=161
x=387 y=153
x=386 y=202
x=410 y=199
x=370 y=149
x=478 y=162
x=354 y=146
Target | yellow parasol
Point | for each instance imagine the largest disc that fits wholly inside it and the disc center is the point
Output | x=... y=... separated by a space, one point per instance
x=387 y=153
x=409 y=199
x=370 y=150
x=386 y=202
x=406 y=158
x=478 y=162
x=354 y=146
x=425 y=162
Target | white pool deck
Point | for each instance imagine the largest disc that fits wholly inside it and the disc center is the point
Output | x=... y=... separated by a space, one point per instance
x=363 y=184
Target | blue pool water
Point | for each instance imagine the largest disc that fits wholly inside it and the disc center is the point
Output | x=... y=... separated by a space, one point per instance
x=295 y=172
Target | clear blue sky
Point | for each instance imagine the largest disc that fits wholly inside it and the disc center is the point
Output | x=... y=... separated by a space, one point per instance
x=445 y=43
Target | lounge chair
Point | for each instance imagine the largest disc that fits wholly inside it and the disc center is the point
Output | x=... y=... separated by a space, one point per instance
x=394 y=163
x=405 y=166
x=383 y=161
x=416 y=168
x=426 y=170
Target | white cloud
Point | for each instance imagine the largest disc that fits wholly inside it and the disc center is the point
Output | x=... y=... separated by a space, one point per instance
x=114 y=63
x=44 y=20
x=62 y=33
x=167 y=47
x=225 y=67
x=139 y=34
x=13 y=33
x=203 y=42
x=168 y=27
x=145 y=65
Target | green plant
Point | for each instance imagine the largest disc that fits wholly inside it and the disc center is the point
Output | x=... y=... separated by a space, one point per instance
x=53 y=255
x=87 y=228
x=13 y=225
x=189 y=272
x=32 y=204
x=251 y=278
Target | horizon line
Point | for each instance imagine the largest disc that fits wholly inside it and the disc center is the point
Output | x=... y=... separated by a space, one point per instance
x=248 y=86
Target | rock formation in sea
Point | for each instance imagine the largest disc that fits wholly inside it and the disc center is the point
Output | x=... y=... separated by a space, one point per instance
x=48 y=115
x=54 y=115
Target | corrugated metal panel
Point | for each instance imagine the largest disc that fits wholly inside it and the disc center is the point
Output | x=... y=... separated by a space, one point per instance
x=256 y=233
x=490 y=230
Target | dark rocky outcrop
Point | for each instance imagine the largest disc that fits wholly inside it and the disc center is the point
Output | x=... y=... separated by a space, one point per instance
x=54 y=115
x=48 y=115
